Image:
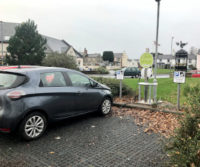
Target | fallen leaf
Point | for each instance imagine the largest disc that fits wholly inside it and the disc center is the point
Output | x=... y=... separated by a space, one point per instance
x=58 y=138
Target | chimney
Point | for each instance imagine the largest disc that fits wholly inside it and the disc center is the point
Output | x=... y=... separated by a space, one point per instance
x=85 y=52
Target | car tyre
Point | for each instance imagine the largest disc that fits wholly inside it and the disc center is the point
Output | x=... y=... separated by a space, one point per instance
x=106 y=106
x=33 y=126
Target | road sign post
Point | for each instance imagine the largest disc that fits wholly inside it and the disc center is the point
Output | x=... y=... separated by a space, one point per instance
x=178 y=96
x=120 y=76
x=179 y=78
x=120 y=89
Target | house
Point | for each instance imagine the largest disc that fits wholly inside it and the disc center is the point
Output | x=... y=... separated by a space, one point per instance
x=52 y=45
x=94 y=59
x=7 y=30
x=168 y=61
x=61 y=46
x=120 y=59
x=132 y=63
x=198 y=60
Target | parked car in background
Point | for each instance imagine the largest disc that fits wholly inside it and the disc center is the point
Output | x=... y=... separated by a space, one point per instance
x=133 y=72
x=195 y=73
x=31 y=97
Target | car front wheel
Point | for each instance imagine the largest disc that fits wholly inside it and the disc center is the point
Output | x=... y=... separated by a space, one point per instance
x=106 y=106
x=33 y=126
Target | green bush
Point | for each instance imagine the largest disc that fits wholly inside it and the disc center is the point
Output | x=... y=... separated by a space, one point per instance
x=102 y=70
x=184 y=147
x=114 y=85
x=60 y=60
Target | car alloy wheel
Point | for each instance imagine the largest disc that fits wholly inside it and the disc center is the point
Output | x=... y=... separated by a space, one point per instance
x=33 y=126
x=106 y=106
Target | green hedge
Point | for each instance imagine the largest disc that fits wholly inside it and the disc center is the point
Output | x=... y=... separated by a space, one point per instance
x=114 y=85
x=102 y=70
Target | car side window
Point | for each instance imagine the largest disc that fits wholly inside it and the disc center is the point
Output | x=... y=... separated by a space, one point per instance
x=78 y=80
x=128 y=70
x=52 y=79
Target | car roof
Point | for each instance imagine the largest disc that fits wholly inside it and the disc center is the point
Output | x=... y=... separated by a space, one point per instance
x=25 y=69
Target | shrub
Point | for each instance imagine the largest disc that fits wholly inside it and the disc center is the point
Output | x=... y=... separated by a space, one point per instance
x=60 y=60
x=184 y=147
x=102 y=70
x=114 y=85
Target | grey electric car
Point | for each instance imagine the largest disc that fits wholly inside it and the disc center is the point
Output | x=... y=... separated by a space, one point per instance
x=30 y=97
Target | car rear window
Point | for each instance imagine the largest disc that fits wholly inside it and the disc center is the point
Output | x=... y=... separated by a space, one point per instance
x=11 y=80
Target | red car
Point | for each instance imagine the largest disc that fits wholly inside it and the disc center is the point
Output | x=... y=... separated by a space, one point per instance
x=195 y=74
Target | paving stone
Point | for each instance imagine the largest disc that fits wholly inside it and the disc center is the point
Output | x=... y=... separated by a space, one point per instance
x=86 y=141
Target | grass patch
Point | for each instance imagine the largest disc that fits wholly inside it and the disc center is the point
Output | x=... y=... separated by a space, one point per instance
x=166 y=90
x=164 y=71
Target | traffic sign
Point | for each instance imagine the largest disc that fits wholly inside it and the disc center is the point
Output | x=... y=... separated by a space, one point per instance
x=146 y=60
x=120 y=75
x=179 y=76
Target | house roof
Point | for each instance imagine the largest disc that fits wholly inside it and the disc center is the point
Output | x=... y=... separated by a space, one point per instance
x=56 y=45
x=8 y=30
x=192 y=56
x=118 y=55
x=52 y=45
x=78 y=54
x=93 y=55
x=168 y=56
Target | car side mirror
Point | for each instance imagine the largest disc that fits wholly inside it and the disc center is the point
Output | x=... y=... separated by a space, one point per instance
x=94 y=84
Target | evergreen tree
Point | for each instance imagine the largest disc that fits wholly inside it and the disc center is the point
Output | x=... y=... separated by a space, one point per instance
x=108 y=56
x=27 y=46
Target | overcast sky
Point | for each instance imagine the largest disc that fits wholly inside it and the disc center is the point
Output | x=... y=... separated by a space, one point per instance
x=116 y=25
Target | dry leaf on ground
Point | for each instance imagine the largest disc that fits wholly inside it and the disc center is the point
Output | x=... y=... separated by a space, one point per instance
x=157 y=122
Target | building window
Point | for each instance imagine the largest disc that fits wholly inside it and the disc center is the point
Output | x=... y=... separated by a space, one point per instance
x=160 y=60
x=168 y=60
x=190 y=61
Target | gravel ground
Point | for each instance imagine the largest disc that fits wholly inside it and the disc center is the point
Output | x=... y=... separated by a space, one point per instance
x=86 y=141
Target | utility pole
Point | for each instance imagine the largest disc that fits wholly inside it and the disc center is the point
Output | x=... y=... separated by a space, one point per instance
x=156 y=50
x=171 y=50
x=2 y=43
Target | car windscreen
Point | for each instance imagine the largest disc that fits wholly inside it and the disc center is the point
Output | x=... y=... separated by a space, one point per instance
x=11 y=80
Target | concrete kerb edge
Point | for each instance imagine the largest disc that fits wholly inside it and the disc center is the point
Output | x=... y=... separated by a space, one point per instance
x=145 y=108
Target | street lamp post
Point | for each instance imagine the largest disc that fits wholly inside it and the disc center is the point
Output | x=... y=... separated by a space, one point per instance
x=156 y=50
x=171 y=49
x=172 y=46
